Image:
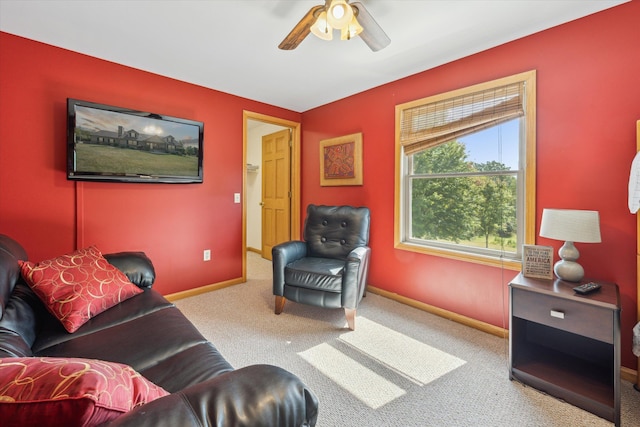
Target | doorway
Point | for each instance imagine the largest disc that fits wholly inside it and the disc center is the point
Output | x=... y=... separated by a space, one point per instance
x=255 y=127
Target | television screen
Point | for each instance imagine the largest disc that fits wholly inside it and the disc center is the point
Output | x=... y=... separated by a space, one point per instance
x=106 y=143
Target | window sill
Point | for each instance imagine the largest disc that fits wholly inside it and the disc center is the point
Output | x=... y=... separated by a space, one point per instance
x=509 y=264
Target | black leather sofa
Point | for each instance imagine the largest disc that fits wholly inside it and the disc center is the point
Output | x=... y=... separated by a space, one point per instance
x=152 y=336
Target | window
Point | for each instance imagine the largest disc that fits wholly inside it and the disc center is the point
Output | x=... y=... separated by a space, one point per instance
x=465 y=172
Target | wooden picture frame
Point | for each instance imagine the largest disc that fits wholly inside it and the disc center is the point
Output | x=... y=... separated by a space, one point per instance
x=537 y=261
x=341 y=160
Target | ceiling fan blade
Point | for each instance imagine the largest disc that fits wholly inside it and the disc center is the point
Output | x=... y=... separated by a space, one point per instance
x=372 y=33
x=301 y=30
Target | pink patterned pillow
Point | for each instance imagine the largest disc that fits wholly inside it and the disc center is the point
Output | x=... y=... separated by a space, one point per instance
x=71 y=392
x=78 y=286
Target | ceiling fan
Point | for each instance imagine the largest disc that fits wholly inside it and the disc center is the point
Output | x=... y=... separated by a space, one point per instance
x=352 y=19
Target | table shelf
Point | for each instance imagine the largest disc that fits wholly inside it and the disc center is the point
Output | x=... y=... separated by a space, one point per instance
x=581 y=368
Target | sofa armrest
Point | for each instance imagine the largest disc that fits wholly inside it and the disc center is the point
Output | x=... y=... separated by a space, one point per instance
x=254 y=396
x=282 y=255
x=135 y=265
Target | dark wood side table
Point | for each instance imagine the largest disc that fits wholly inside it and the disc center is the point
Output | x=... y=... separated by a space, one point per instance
x=567 y=345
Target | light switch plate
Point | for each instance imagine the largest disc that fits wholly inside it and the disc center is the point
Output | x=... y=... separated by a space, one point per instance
x=236 y=197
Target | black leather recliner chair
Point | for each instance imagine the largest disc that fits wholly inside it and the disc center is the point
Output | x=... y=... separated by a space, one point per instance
x=329 y=268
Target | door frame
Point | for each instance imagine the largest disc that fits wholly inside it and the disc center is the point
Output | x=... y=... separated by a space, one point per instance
x=294 y=185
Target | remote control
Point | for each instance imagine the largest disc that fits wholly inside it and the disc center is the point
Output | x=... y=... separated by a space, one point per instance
x=587 y=288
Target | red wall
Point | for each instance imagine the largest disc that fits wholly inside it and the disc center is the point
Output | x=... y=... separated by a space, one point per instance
x=173 y=224
x=588 y=101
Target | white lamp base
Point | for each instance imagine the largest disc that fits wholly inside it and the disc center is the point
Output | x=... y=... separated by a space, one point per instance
x=567 y=268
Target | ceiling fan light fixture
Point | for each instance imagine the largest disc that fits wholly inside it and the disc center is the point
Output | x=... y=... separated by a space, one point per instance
x=339 y=14
x=321 y=27
x=352 y=30
x=352 y=19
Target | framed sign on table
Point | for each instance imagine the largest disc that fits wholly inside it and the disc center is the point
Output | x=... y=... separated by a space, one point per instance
x=341 y=160
x=537 y=261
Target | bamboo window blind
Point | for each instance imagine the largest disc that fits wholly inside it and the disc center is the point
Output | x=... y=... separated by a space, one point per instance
x=428 y=125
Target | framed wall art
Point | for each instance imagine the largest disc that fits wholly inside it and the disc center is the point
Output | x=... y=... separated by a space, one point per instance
x=537 y=261
x=341 y=160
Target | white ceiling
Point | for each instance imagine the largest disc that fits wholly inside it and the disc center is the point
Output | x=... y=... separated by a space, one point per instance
x=232 y=45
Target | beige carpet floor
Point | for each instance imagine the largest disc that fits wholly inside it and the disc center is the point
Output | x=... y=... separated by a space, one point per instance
x=400 y=367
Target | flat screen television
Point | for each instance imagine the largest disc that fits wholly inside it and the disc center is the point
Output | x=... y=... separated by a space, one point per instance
x=106 y=143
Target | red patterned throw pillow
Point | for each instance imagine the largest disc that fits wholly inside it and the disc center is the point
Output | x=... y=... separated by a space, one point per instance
x=77 y=286
x=46 y=391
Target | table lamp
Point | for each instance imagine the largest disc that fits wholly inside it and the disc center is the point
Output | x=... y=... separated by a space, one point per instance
x=571 y=226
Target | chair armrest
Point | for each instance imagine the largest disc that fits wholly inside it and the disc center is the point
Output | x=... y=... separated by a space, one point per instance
x=281 y=255
x=354 y=278
x=135 y=265
x=359 y=254
x=254 y=396
x=636 y=340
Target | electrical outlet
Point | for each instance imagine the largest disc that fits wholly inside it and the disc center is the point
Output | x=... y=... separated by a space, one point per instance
x=236 y=197
x=206 y=256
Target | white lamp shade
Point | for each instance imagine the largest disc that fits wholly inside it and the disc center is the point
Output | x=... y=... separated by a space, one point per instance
x=339 y=14
x=321 y=27
x=350 y=31
x=571 y=225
